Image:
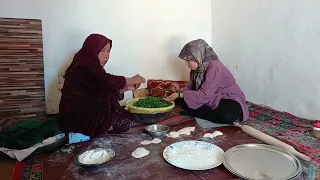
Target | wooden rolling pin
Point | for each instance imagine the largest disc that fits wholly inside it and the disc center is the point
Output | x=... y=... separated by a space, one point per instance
x=271 y=141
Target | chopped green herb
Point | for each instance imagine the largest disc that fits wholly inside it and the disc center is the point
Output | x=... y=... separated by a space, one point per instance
x=152 y=102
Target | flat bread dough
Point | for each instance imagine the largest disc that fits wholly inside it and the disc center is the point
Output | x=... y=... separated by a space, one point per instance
x=212 y=135
x=183 y=131
x=140 y=152
x=173 y=134
x=208 y=135
x=156 y=141
x=186 y=130
x=146 y=142
x=217 y=133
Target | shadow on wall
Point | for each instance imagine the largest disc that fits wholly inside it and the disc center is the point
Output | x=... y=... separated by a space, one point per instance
x=56 y=85
x=72 y=43
x=174 y=45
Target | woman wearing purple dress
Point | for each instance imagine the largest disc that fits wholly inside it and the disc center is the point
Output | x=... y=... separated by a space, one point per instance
x=212 y=92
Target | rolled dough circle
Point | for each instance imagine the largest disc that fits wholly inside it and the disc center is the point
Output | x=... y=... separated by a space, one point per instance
x=208 y=135
x=140 y=152
x=174 y=134
x=217 y=133
x=156 y=141
x=146 y=142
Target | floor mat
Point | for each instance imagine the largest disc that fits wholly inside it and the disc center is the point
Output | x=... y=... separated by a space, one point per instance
x=29 y=169
x=32 y=168
x=279 y=124
x=285 y=126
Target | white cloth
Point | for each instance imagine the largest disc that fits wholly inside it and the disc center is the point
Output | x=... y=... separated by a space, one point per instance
x=20 y=155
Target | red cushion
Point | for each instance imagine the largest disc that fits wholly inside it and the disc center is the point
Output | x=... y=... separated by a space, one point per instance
x=160 y=88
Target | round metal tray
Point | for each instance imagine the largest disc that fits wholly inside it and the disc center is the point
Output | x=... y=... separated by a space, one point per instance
x=260 y=161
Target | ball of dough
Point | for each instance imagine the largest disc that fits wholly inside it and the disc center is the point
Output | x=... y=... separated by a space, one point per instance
x=156 y=141
x=140 y=152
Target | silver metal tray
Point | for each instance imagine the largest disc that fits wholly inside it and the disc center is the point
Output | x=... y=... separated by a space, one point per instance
x=261 y=161
x=109 y=154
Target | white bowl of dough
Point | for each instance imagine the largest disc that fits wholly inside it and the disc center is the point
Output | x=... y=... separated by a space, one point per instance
x=94 y=157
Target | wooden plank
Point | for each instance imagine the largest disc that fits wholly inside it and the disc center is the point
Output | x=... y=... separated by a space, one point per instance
x=22 y=91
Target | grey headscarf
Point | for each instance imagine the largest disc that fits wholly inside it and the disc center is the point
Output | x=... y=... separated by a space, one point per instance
x=200 y=52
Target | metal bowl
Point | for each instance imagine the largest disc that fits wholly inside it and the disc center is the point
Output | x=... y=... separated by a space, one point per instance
x=157 y=130
x=150 y=118
x=106 y=156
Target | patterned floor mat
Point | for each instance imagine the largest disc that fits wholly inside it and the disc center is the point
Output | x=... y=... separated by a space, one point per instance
x=284 y=126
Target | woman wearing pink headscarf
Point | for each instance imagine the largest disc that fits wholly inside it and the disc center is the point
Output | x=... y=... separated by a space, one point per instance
x=212 y=92
x=89 y=102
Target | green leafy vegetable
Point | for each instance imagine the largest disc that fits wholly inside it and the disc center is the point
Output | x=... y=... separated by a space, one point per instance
x=152 y=102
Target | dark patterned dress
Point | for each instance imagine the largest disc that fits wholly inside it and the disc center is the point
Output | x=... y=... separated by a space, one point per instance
x=89 y=103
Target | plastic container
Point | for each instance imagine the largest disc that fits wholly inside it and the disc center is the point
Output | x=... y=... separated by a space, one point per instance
x=316 y=129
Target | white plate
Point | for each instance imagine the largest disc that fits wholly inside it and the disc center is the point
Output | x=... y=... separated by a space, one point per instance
x=193 y=155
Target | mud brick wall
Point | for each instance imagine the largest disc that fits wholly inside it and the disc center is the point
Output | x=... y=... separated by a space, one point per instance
x=22 y=93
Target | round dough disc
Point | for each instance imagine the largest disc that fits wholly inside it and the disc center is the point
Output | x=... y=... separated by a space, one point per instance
x=145 y=142
x=140 y=152
x=156 y=141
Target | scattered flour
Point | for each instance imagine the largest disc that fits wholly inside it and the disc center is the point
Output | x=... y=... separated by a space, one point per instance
x=183 y=131
x=57 y=157
x=94 y=156
x=146 y=142
x=156 y=141
x=212 y=135
x=121 y=167
x=122 y=170
x=140 y=152
x=68 y=149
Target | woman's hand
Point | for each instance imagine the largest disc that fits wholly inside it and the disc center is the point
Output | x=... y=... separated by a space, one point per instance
x=172 y=97
x=137 y=85
x=133 y=87
x=175 y=87
x=138 y=79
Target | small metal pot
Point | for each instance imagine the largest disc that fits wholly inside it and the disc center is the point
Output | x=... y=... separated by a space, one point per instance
x=157 y=130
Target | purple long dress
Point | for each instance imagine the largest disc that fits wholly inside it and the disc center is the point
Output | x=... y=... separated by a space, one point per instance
x=219 y=84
